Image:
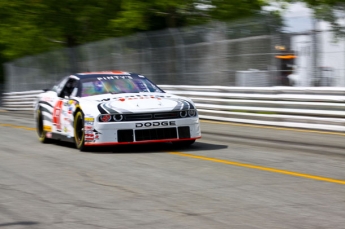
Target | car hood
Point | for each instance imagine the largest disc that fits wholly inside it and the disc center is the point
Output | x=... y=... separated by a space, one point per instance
x=138 y=103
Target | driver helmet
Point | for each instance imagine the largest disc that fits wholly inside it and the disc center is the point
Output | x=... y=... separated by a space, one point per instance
x=98 y=85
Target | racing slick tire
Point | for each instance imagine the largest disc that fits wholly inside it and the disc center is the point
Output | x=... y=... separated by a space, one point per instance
x=79 y=133
x=42 y=134
x=185 y=143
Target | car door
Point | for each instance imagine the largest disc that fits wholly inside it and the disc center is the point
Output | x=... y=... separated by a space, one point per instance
x=62 y=113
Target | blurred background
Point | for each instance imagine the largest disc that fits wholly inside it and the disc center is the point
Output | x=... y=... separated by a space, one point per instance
x=176 y=42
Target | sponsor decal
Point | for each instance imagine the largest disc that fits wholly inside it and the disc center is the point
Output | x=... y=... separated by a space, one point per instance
x=89 y=136
x=138 y=97
x=88 y=123
x=49 y=135
x=149 y=124
x=114 y=77
x=88 y=127
x=89 y=119
x=47 y=128
x=57 y=114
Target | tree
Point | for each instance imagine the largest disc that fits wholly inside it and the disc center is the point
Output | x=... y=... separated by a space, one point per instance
x=227 y=10
x=137 y=15
x=32 y=26
x=37 y=25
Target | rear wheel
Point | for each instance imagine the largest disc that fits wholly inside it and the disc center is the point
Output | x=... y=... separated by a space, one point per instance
x=183 y=143
x=79 y=133
x=42 y=134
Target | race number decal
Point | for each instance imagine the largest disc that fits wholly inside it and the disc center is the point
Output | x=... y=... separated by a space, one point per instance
x=57 y=114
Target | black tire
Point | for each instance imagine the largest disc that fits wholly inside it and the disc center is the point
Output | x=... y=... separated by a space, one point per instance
x=42 y=134
x=79 y=134
x=185 y=143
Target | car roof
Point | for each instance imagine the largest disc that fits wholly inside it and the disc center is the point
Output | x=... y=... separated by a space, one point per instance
x=84 y=75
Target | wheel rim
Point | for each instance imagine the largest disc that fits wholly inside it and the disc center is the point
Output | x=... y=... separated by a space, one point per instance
x=79 y=131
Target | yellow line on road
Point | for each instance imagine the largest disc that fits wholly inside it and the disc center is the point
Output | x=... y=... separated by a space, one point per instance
x=234 y=163
x=274 y=128
x=257 y=167
x=17 y=127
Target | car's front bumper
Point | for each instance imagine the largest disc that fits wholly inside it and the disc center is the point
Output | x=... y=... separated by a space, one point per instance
x=138 y=132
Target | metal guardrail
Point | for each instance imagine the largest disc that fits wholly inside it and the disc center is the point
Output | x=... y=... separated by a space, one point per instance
x=20 y=101
x=319 y=108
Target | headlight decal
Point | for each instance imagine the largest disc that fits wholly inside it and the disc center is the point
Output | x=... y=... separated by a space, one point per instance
x=105 y=118
x=182 y=104
x=101 y=109
x=183 y=114
x=118 y=117
x=191 y=113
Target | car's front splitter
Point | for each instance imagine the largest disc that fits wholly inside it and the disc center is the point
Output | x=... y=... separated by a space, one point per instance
x=139 y=142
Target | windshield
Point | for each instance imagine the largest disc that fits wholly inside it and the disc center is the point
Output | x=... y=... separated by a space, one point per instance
x=104 y=85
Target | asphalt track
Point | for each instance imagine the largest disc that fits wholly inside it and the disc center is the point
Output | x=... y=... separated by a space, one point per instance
x=236 y=176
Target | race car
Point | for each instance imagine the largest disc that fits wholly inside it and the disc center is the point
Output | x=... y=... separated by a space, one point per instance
x=112 y=108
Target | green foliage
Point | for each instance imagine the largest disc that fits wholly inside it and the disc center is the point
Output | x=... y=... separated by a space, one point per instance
x=226 y=10
x=2 y=60
x=332 y=13
x=30 y=27
x=137 y=15
x=33 y=26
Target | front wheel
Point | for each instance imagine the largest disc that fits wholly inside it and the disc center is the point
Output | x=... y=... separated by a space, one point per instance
x=79 y=133
x=42 y=134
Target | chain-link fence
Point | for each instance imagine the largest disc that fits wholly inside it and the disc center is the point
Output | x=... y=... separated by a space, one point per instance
x=2 y=88
x=204 y=55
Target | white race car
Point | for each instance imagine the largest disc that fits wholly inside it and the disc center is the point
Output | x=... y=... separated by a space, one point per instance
x=114 y=107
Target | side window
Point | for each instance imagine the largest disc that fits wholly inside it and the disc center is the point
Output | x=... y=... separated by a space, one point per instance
x=70 y=86
x=58 y=87
x=77 y=89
